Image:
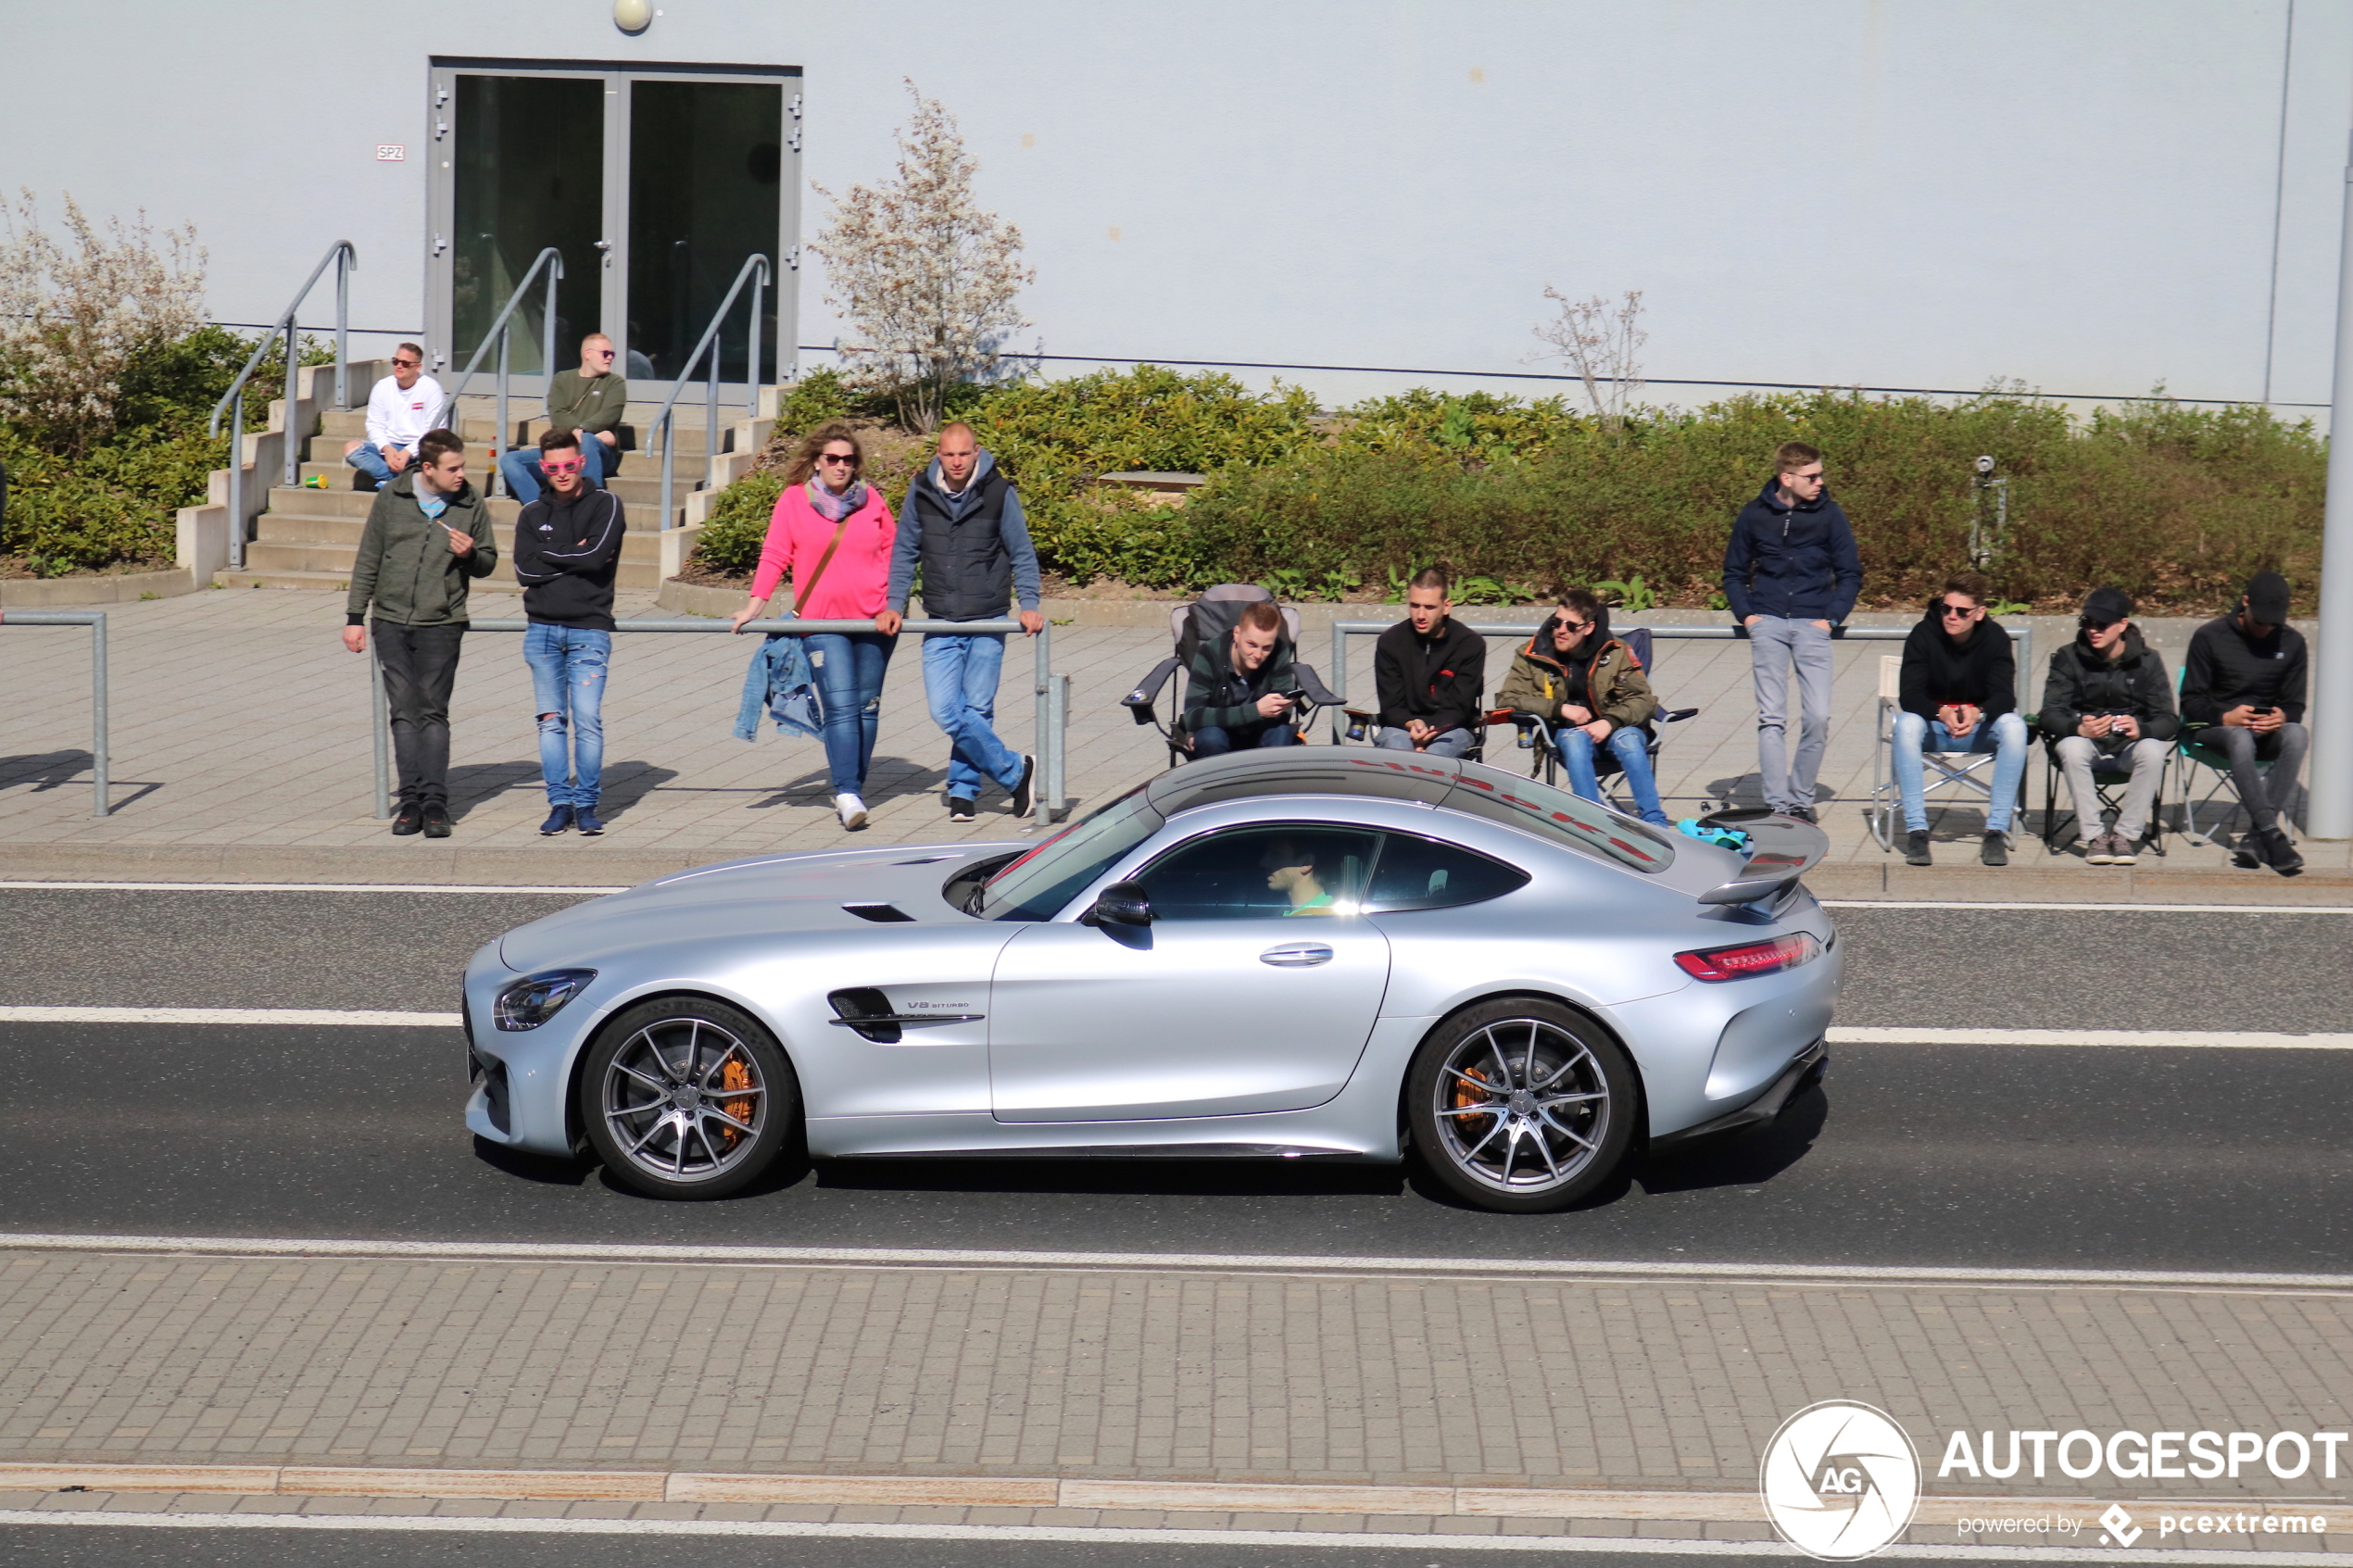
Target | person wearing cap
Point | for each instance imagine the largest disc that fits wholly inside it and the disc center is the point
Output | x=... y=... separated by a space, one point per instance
x=2243 y=689
x=1958 y=692
x=2107 y=702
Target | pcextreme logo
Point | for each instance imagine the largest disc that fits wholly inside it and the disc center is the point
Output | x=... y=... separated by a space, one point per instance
x=1840 y=1480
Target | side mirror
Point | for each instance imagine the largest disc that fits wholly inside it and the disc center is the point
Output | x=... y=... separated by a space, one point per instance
x=1122 y=903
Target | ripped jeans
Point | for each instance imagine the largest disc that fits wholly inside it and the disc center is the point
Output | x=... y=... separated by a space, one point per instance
x=568 y=667
x=848 y=666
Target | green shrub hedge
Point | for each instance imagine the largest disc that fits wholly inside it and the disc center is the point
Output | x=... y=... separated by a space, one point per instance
x=2176 y=505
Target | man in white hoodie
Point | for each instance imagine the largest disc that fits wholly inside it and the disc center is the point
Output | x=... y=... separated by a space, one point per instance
x=403 y=406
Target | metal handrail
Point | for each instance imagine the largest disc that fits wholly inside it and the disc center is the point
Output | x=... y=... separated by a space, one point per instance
x=345 y=257
x=96 y=621
x=499 y=332
x=709 y=340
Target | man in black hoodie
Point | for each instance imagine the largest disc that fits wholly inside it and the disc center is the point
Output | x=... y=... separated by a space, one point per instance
x=1791 y=573
x=567 y=551
x=1429 y=671
x=1959 y=693
x=2243 y=694
x=2108 y=700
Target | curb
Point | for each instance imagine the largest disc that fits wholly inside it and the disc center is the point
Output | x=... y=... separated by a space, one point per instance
x=128 y=587
x=983 y=1491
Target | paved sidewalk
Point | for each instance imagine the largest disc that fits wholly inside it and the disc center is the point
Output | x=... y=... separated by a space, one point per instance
x=241 y=749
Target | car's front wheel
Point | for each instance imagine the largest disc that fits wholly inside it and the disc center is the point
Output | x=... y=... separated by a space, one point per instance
x=1521 y=1105
x=684 y=1097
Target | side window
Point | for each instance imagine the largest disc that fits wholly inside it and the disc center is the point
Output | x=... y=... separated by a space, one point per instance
x=1263 y=873
x=1421 y=873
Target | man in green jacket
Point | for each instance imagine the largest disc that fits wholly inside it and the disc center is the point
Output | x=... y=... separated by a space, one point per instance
x=1592 y=696
x=428 y=533
x=589 y=403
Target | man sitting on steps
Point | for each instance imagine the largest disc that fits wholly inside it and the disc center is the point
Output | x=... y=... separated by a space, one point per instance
x=400 y=410
x=588 y=403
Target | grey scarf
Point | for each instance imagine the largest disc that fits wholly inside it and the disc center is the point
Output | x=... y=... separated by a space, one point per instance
x=833 y=508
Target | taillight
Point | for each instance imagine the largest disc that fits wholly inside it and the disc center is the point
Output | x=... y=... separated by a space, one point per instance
x=1754 y=957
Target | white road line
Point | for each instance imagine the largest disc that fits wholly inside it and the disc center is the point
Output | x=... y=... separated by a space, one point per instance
x=297 y=887
x=2085 y=908
x=2162 y=1039
x=230 y=1015
x=1229 y=1262
x=779 y=1529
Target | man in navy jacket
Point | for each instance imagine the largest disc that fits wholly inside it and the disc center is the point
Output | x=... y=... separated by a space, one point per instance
x=1791 y=573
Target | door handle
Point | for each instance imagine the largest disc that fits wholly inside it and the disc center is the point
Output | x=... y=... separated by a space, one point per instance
x=1297 y=955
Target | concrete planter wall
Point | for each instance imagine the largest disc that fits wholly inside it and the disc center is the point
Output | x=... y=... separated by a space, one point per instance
x=128 y=587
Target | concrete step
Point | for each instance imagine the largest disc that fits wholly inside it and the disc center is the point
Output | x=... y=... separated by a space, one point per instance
x=640 y=492
x=291 y=501
x=330 y=532
x=261 y=572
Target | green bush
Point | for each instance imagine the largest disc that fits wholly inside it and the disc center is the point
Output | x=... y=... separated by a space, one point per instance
x=738 y=522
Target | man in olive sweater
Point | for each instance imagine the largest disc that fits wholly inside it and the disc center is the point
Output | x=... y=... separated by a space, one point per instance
x=428 y=534
x=588 y=402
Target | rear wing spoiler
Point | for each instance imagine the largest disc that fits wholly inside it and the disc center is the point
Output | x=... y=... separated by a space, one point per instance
x=1781 y=849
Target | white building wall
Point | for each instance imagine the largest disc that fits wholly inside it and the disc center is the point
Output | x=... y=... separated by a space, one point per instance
x=1852 y=192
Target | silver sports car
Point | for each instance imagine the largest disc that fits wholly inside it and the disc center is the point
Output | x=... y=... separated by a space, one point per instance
x=1323 y=952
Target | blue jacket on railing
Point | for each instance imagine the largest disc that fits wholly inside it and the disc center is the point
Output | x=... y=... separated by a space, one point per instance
x=1798 y=564
x=779 y=680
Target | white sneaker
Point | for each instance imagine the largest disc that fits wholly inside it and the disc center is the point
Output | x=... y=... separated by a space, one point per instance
x=853 y=811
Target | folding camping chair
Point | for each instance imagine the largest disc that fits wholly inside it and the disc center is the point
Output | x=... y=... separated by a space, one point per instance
x=1968 y=772
x=1211 y=618
x=2217 y=764
x=2109 y=775
x=1535 y=730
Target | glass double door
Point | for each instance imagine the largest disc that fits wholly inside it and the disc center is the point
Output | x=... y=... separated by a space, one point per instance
x=654 y=188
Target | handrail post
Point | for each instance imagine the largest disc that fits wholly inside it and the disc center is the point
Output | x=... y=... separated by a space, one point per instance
x=237 y=481
x=498 y=474
x=547 y=331
x=343 y=328
x=666 y=426
x=287 y=425
x=380 y=708
x=751 y=348
x=100 y=804
x=710 y=415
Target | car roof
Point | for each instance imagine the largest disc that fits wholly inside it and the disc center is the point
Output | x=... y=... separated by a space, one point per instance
x=1320 y=769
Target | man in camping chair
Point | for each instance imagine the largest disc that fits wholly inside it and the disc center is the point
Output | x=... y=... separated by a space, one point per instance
x=1238 y=693
x=1592 y=697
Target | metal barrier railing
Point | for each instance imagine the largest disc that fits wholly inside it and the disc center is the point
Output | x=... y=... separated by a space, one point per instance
x=2022 y=638
x=756 y=268
x=96 y=621
x=1052 y=691
x=501 y=334
x=233 y=402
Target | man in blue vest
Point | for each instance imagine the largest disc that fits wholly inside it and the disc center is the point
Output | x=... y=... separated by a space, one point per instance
x=963 y=524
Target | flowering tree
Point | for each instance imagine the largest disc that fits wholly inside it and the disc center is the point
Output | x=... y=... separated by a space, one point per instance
x=1603 y=345
x=75 y=316
x=925 y=278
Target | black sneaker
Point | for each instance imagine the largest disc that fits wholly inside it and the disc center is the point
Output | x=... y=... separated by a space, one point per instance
x=436 y=822
x=1915 y=849
x=1025 y=792
x=959 y=809
x=408 y=819
x=1803 y=813
x=2277 y=852
x=2246 y=855
x=1996 y=850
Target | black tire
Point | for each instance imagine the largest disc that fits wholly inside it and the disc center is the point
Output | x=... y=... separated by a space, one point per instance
x=675 y=1077
x=1566 y=1101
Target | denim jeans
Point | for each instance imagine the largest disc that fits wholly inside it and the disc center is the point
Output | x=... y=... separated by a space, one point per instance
x=1453 y=742
x=568 y=667
x=525 y=476
x=1631 y=748
x=370 y=460
x=849 y=669
x=419 y=667
x=960 y=681
x=1211 y=740
x=1774 y=645
x=2005 y=737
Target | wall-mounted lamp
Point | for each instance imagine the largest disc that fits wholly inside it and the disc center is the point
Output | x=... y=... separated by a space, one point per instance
x=632 y=17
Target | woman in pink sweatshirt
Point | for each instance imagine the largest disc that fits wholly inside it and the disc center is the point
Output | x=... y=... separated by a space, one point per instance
x=832 y=534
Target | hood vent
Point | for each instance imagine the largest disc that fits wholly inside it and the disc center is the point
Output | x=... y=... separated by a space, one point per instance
x=881 y=915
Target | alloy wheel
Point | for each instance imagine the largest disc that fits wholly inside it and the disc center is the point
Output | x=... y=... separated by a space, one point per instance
x=1521 y=1105
x=683 y=1099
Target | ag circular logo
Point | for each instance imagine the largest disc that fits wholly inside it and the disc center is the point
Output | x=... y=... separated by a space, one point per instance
x=1840 y=1480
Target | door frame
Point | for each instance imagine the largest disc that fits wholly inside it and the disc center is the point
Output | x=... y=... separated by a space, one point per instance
x=441 y=111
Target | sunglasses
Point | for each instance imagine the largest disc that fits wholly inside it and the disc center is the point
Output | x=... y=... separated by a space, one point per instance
x=1578 y=628
x=836 y=458
x=1952 y=613
x=2088 y=624
x=572 y=467
x=601 y=353
x=406 y=364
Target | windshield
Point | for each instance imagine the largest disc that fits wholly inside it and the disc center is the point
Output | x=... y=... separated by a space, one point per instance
x=1040 y=883
x=1561 y=817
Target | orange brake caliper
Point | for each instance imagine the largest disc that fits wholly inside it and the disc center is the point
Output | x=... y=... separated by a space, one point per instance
x=735 y=1075
x=1463 y=1097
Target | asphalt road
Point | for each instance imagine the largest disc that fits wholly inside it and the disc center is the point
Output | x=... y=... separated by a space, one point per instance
x=2073 y=1156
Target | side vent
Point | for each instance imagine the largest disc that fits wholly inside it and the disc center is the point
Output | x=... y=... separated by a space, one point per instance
x=862 y=1003
x=881 y=915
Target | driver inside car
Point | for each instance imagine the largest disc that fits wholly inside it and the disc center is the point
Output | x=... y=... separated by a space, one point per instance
x=1290 y=871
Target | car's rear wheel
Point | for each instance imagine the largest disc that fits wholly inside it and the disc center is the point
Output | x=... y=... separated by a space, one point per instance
x=1521 y=1105
x=684 y=1097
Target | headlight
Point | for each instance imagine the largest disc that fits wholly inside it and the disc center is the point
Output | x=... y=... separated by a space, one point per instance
x=536 y=998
